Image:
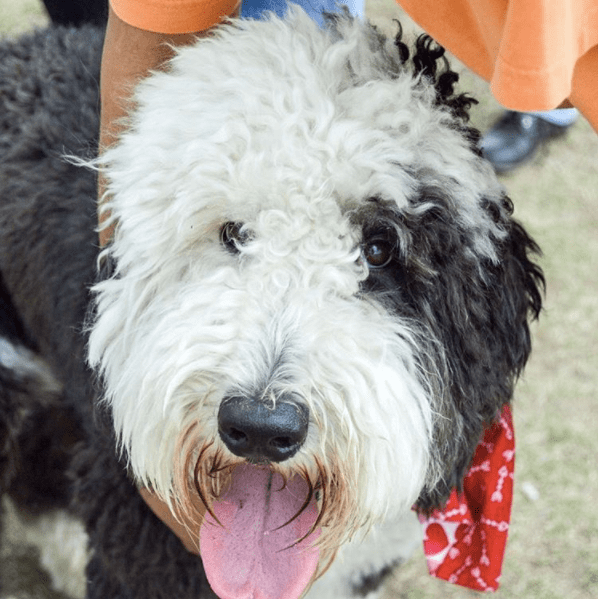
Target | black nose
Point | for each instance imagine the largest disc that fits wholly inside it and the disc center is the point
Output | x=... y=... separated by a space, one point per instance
x=251 y=429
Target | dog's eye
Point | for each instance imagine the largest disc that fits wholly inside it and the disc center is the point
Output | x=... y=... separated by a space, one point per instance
x=377 y=253
x=232 y=236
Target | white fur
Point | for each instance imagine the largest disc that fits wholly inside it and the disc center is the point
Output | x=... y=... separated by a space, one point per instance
x=266 y=124
x=387 y=545
x=60 y=540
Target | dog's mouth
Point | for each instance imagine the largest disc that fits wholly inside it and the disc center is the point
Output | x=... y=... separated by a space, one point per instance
x=258 y=539
x=260 y=528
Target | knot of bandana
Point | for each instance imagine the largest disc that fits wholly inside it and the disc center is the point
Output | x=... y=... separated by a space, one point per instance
x=465 y=542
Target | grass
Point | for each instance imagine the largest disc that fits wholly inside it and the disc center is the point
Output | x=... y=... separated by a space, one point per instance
x=17 y=16
x=553 y=548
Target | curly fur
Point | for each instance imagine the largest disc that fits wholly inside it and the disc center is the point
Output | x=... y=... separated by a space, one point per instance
x=319 y=147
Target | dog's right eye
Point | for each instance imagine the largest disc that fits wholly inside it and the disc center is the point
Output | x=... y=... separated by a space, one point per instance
x=377 y=253
x=232 y=236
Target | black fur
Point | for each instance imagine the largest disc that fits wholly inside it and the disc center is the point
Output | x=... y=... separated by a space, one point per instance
x=429 y=63
x=136 y=555
x=371 y=583
x=48 y=256
x=476 y=312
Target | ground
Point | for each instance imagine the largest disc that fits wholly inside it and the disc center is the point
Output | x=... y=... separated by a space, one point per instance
x=553 y=547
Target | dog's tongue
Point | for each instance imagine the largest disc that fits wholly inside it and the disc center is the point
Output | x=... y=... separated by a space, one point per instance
x=255 y=554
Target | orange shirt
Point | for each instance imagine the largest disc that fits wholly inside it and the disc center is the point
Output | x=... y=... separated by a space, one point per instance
x=534 y=53
x=173 y=16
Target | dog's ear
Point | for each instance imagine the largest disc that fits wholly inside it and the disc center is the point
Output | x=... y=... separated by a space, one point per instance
x=480 y=312
x=518 y=285
x=501 y=299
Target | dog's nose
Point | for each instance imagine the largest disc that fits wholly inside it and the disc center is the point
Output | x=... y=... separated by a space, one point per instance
x=253 y=430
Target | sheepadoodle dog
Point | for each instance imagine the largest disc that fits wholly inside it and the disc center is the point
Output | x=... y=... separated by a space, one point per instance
x=313 y=301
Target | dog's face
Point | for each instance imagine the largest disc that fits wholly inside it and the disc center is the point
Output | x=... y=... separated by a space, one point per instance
x=315 y=275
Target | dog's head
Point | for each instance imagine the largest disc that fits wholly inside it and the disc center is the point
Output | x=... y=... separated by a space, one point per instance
x=316 y=277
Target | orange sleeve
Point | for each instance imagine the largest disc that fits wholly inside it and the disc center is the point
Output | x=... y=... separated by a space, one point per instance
x=173 y=16
x=584 y=95
x=534 y=53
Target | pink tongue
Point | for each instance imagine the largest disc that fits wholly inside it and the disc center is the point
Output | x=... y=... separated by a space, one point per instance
x=249 y=556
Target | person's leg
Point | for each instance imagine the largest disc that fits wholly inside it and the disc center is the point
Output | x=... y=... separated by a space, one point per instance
x=516 y=136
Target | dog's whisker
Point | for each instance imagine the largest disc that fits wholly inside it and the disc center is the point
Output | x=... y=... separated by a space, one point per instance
x=310 y=494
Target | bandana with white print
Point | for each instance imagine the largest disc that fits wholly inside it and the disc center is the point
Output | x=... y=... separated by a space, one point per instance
x=465 y=542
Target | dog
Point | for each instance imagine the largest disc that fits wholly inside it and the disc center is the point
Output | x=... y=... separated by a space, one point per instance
x=314 y=301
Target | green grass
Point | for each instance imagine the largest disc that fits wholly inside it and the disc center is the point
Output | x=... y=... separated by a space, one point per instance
x=553 y=548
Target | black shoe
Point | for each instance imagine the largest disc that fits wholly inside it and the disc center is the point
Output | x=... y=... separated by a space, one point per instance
x=515 y=138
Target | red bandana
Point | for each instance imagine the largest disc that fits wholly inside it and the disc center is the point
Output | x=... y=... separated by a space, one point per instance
x=465 y=542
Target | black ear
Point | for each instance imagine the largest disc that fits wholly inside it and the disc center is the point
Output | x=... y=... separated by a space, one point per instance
x=501 y=302
x=480 y=312
x=519 y=284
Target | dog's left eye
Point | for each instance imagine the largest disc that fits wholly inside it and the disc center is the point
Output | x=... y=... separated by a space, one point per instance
x=232 y=235
x=377 y=253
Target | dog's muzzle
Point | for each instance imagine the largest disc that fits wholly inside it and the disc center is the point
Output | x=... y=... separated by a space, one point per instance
x=262 y=432
x=267 y=521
